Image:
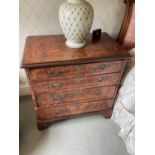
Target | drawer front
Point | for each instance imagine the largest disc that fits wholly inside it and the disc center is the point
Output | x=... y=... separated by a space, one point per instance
x=76 y=82
x=48 y=73
x=75 y=108
x=65 y=97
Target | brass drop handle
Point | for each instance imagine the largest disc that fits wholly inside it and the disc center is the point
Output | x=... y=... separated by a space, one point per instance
x=57 y=112
x=103 y=66
x=101 y=79
x=61 y=111
x=55 y=85
x=57 y=98
x=54 y=72
x=100 y=67
x=79 y=67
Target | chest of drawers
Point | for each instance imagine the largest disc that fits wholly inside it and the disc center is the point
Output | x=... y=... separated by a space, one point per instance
x=67 y=82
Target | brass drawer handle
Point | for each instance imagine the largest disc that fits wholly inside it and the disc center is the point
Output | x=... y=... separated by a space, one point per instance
x=55 y=85
x=100 y=67
x=61 y=111
x=101 y=79
x=57 y=98
x=54 y=72
x=103 y=66
x=79 y=67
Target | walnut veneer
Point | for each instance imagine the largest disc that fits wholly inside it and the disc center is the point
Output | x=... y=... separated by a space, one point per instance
x=67 y=82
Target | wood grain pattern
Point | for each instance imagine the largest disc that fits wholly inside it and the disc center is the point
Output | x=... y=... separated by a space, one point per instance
x=68 y=82
x=49 y=113
x=73 y=95
x=42 y=74
x=41 y=51
x=43 y=124
x=80 y=81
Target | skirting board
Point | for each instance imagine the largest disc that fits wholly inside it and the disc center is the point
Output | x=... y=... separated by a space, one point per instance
x=24 y=89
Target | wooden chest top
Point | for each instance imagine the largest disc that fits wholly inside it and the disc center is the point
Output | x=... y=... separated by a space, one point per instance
x=41 y=51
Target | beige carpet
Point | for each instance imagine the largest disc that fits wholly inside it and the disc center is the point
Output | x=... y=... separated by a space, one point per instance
x=86 y=135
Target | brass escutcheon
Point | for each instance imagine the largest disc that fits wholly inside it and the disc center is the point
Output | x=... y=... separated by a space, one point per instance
x=55 y=85
x=98 y=92
x=57 y=98
x=101 y=79
x=54 y=72
x=59 y=111
x=103 y=66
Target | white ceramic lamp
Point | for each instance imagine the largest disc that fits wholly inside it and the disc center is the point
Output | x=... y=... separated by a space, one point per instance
x=76 y=17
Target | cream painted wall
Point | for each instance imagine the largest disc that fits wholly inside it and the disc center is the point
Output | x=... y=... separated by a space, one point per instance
x=40 y=17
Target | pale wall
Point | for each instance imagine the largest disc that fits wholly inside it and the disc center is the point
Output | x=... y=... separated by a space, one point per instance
x=40 y=17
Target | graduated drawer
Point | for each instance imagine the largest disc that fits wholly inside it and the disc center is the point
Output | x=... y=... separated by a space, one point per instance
x=42 y=74
x=73 y=95
x=76 y=82
x=48 y=113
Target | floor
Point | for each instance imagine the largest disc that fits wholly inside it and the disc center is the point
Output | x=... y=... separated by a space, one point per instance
x=85 y=135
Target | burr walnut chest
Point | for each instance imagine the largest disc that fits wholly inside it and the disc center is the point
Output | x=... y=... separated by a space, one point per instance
x=67 y=82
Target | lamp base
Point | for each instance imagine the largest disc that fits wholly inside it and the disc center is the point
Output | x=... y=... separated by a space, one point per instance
x=75 y=45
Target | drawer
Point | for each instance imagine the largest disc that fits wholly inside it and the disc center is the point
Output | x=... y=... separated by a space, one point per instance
x=41 y=74
x=73 y=95
x=52 y=112
x=76 y=82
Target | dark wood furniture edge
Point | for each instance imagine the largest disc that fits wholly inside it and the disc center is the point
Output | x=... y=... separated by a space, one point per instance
x=74 y=62
x=126 y=20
